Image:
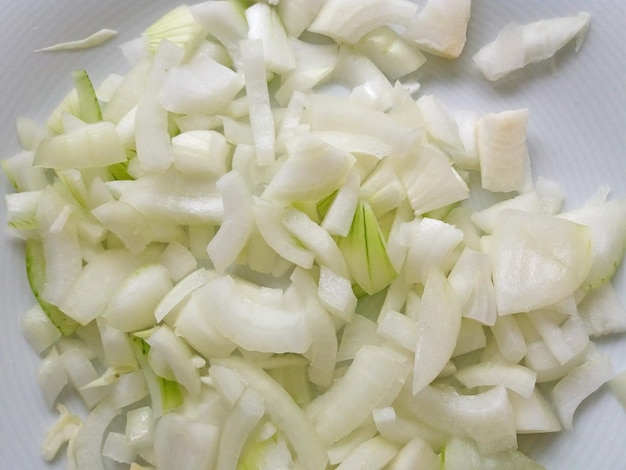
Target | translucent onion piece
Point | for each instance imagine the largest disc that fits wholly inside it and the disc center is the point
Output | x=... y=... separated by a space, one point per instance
x=93 y=40
x=519 y=45
x=90 y=438
x=287 y=416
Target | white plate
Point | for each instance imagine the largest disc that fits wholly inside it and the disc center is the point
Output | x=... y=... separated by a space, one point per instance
x=577 y=106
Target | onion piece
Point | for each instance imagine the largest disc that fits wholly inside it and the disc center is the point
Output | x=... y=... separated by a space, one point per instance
x=359 y=332
x=439 y=123
x=201 y=86
x=125 y=222
x=372 y=454
x=267 y=450
x=315 y=64
x=237 y=224
x=486 y=417
x=537 y=245
x=140 y=424
x=340 y=214
x=430 y=244
x=348 y=21
x=154 y=148
x=341 y=449
x=175 y=198
x=607 y=221
x=127 y=94
x=38 y=330
x=502 y=150
x=296 y=15
x=117 y=347
x=128 y=311
x=550 y=331
x=440 y=27
x=81 y=372
x=183 y=442
x=471 y=338
x=315 y=239
x=373 y=380
x=369 y=85
x=21 y=174
x=339 y=114
x=96 y=285
x=264 y=24
x=182 y=289
x=545 y=198
x=59 y=252
x=509 y=338
x=37 y=265
x=403 y=430
x=336 y=294
x=540 y=359
x=365 y=252
x=519 y=45
x=392 y=54
x=178 y=27
x=51 y=376
x=471 y=280
x=117 y=448
x=90 y=438
x=578 y=384
x=261 y=119
x=178 y=260
x=313 y=170
x=195 y=327
x=394 y=326
x=416 y=450
x=430 y=180
x=227 y=23
x=323 y=351
x=602 y=312
x=533 y=414
x=251 y=323
x=239 y=424
x=64 y=430
x=462 y=453
x=438 y=326
x=287 y=416
x=383 y=189
x=268 y=217
x=93 y=40
x=517 y=378
x=201 y=151
x=129 y=389
x=178 y=357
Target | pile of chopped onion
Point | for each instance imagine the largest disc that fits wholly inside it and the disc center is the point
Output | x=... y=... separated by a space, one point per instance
x=258 y=250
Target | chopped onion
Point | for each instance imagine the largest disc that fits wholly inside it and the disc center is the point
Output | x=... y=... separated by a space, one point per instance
x=93 y=40
x=578 y=384
x=440 y=27
x=372 y=454
x=269 y=254
x=181 y=441
x=519 y=45
x=64 y=430
x=90 y=438
x=373 y=380
x=350 y=20
x=284 y=412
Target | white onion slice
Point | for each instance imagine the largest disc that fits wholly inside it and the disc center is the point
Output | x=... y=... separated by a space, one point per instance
x=90 y=438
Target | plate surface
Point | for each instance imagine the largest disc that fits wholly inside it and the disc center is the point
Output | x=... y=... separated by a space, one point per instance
x=577 y=108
